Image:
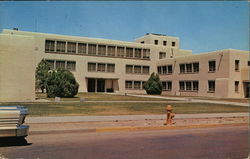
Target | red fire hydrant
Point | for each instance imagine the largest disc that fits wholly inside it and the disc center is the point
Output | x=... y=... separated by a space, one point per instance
x=170 y=115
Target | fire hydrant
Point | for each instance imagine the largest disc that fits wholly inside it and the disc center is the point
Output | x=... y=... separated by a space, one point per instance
x=170 y=115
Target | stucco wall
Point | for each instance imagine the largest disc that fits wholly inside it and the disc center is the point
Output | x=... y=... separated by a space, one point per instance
x=17 y=68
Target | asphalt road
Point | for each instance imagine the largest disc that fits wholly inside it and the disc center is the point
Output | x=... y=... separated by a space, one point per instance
x=202 y=143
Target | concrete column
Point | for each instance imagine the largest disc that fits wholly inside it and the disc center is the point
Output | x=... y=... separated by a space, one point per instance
x=87 y=48
x=76 y=48
x=95 y=85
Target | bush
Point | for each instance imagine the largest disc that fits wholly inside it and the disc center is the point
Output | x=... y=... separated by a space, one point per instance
x=61 y=83
x=153 y=85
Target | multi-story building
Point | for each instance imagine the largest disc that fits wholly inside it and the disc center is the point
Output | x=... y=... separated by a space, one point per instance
x=101 y=65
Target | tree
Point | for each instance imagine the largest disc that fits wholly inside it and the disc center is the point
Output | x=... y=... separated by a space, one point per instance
x=42 y=74
x=61 y=83
x=153 y=85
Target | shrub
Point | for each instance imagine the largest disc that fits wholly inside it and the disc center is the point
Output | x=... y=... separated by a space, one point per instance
x=153 y=85
x=61 y=83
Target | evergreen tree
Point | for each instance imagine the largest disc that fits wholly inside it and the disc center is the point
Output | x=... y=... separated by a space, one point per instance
x=153 y=85
x=42 y=74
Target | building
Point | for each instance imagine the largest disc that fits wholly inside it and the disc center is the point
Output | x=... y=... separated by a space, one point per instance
x=101 y=65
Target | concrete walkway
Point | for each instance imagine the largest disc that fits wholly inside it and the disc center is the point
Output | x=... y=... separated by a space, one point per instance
x=128 y=117
x=191 y=100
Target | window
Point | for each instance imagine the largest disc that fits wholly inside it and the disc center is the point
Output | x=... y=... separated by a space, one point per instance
x=111 y=50
x=159 y=70
x=129 y=52
x=196 y=67
x=129 y=68
x=137 y=69
x=142 y=42
x=128 y=84
x=146 y=53
x=82 y=48
x=167 y=85
x=173 y=43
x=91 y=67
x=71 y=65
x=182 y=68
x=211 y=86
x=170 y=70
x=120 y=51
x=51 y=64
x=137 y=53
x=137 y=84
x=145 y=69
x=101 y=50
x=110 y=67
x=195 y=85
x=165 y=43
x=236 y=86
x=71 y=48
x=60 y=46
x=49 y=45
x=189 y=67
x=162 y=55
x=134 y=84
x=60 y=64
x=101 y=67
x=92 y=49
x=182 y=85
x=189 y=85
x=212 y=66
x=167 y=69
x=164 y=69
x=237 y=64
x=156 y=42
x=248 y=63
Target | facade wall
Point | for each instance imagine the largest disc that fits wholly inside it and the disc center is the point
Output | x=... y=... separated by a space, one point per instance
x=17 y=68
x=32 y=47
x=241 y=75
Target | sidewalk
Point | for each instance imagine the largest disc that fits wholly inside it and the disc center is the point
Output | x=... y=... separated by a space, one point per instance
x=127 y=117
x=82 y=124
x=193 y=100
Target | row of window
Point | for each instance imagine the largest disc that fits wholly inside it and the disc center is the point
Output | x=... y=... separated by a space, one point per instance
x=101 y=67
x=137 y=69
x=185 y=68
x=164 y=43
x=96 y=49
x=134 y=84
x=167 y=69
x=194 y=85
x=189 y=67
x=193 y=67
x=56 y=64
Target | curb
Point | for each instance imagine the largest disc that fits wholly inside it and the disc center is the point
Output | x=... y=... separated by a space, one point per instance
x=126 y=129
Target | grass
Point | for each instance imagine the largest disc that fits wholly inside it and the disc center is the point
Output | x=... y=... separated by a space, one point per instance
x=123 y=108
x=101 y=97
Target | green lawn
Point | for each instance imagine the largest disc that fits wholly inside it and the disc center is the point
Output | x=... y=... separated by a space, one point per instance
x=101 y=97
x=105 y=108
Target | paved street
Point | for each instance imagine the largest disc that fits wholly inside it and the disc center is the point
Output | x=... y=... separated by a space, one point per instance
x=210 y=143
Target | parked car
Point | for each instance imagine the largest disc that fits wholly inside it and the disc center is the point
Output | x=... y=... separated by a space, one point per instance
x=11 y=121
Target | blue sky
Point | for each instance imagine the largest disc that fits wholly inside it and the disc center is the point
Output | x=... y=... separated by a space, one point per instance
x=201 y=26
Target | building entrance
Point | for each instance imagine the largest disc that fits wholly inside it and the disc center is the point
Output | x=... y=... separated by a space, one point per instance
x=247 y=89
x=96 y=85
x=91 y=85
x=100 y=85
